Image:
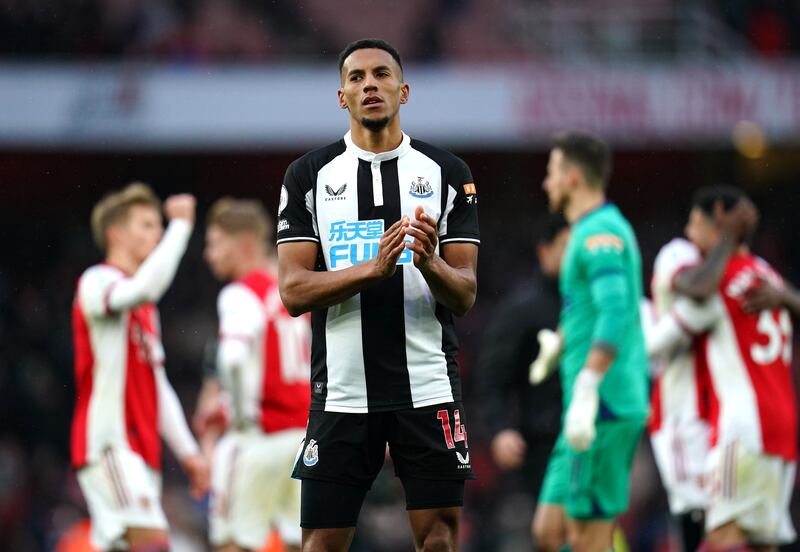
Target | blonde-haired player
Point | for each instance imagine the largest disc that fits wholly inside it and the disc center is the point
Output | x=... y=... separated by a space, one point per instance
x=263 y=361
x=125 y=403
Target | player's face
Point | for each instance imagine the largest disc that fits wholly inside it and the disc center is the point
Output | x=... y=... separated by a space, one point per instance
x=556 y=184
x=221 y=252
x=372 y=88
x=701 y=230
x=141 y=232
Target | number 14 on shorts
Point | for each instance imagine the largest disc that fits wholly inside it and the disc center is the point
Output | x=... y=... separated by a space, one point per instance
x=460 y=430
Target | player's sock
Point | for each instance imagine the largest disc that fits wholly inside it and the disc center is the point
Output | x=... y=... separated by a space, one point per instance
x=691 y=526
x=620 y=542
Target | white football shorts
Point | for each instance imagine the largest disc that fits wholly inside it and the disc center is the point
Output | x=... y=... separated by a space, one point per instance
x=252 y=490
x=681 y=452
x=753 y=490
x=121 y=492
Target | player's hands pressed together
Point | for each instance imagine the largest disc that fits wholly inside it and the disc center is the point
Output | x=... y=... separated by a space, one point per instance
x=508 y=449
x=181 y=206
x=199 y=473
x=391 y=247
x=423 y=230
x=579 y=427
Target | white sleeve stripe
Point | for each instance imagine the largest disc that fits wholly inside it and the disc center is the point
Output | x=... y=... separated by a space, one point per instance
x=298 y=238
x=469 y=240
x=450 y=203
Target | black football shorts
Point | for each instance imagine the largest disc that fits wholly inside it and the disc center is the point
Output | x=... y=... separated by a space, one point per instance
x=343 y=453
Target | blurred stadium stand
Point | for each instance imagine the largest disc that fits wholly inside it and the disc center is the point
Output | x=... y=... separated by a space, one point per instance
x=216 y=97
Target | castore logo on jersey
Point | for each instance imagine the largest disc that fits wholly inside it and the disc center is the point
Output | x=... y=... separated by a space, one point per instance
x=335 y=195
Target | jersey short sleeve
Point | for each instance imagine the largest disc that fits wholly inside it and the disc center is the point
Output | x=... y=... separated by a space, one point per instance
x=95 y=288
x=459 y=221
x=241 y=315
x=296 y=217
x=674 y=257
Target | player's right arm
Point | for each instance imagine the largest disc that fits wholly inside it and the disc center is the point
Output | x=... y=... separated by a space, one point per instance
x=157 y=272
x=304 y=289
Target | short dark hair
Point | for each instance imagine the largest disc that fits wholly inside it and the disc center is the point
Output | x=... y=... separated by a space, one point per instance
x=367 y=43
x=547 y=227
x=591 y=153
x=707 y=197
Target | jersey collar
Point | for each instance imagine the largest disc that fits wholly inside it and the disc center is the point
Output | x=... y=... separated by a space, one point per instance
x=405 y=145
x=589 y=213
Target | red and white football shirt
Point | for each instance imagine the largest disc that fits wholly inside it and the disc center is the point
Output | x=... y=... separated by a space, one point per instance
x=264 y=355
x=116 y=355
x=678 y=429
x=678 y=393
x=749 y=356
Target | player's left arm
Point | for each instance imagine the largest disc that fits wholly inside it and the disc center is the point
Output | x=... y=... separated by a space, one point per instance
x=452 y=273
x=662 y=335
x=452 y=276
x=603 y=256
x=603 y=259
x=175 y=430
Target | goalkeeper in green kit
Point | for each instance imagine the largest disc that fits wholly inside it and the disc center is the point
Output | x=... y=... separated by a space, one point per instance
x=602 y=357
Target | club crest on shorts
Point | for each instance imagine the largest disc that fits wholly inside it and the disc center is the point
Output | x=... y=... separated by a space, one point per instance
x=311 y=455
x=421 y=187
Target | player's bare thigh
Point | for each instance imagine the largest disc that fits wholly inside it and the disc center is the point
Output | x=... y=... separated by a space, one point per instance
x=435 y=529
x=549 y=527
x=731 y=535
x=327 y=540
x=152 y=540
x=590 y=536
x=232 y=547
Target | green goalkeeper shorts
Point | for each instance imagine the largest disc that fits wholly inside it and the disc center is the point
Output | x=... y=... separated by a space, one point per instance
x=593 y=484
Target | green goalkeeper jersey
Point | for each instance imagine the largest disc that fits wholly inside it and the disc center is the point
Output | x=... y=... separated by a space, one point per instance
x=601 y=286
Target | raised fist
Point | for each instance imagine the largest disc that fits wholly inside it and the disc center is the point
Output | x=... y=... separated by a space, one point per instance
x=181 y=206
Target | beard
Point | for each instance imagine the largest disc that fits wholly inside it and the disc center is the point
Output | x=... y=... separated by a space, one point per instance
x=375 y=124
x=558 y=205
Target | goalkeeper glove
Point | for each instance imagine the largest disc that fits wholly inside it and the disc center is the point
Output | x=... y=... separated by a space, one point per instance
x=579 y=423
x=547 y=360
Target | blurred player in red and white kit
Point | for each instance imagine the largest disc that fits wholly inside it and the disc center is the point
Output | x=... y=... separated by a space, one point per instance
x=678 y=425
x=751 y=464
x=124 y=401
x=263 y=363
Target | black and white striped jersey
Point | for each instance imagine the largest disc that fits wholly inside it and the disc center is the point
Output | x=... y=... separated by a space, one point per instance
x=391 y=346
